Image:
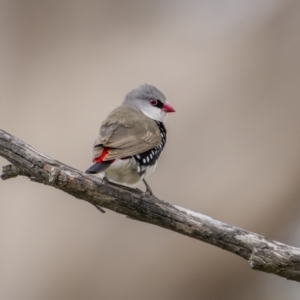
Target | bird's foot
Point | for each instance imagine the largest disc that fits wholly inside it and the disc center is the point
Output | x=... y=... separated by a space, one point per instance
x=104 y=181
x=148 y=191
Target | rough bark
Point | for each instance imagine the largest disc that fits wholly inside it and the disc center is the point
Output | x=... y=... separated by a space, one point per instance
x=262 y=253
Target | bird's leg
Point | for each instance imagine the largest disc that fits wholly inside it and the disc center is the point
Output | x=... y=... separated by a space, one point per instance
x=104 y=179
x=148 y=189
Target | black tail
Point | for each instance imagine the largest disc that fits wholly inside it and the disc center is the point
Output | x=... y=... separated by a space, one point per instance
x=98 y=167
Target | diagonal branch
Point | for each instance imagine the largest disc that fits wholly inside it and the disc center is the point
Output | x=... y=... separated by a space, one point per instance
x=262 y=253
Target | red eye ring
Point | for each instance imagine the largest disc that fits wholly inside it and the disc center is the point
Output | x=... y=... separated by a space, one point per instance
x=153 y=101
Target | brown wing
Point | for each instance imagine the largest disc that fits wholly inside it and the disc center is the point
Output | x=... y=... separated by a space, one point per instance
x=126 y=132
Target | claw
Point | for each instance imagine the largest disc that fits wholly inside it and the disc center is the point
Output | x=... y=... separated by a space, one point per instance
x=104 y=181
x=99 y=208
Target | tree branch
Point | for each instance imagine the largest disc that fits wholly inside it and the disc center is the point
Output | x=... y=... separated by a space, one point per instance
x=262 y=253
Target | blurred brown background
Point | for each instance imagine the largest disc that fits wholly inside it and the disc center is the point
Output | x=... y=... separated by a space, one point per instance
x=232 y=71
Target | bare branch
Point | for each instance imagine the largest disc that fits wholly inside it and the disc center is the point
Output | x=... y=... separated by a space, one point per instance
x=262 y=253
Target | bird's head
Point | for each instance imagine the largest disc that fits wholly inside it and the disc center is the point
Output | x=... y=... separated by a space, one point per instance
x=151 y=101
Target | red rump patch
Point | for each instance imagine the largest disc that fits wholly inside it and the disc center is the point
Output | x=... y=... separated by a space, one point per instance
x=100 y=158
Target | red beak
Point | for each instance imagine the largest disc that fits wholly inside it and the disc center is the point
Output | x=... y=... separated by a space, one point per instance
x=168 y=107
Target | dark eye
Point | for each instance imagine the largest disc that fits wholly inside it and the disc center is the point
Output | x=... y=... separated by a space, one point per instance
x=153 y=101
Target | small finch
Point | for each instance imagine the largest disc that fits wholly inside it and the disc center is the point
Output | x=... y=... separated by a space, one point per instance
x=131 y=139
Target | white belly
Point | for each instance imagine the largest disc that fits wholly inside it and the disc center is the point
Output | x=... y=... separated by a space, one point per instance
x=127 y=171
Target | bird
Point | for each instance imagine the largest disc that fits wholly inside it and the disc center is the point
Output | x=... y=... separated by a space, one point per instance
x=132 y=137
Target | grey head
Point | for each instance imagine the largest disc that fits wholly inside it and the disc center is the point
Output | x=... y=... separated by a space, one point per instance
x=150 y=100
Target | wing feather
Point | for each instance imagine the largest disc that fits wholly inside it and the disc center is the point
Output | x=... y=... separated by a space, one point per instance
x=126 y=132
